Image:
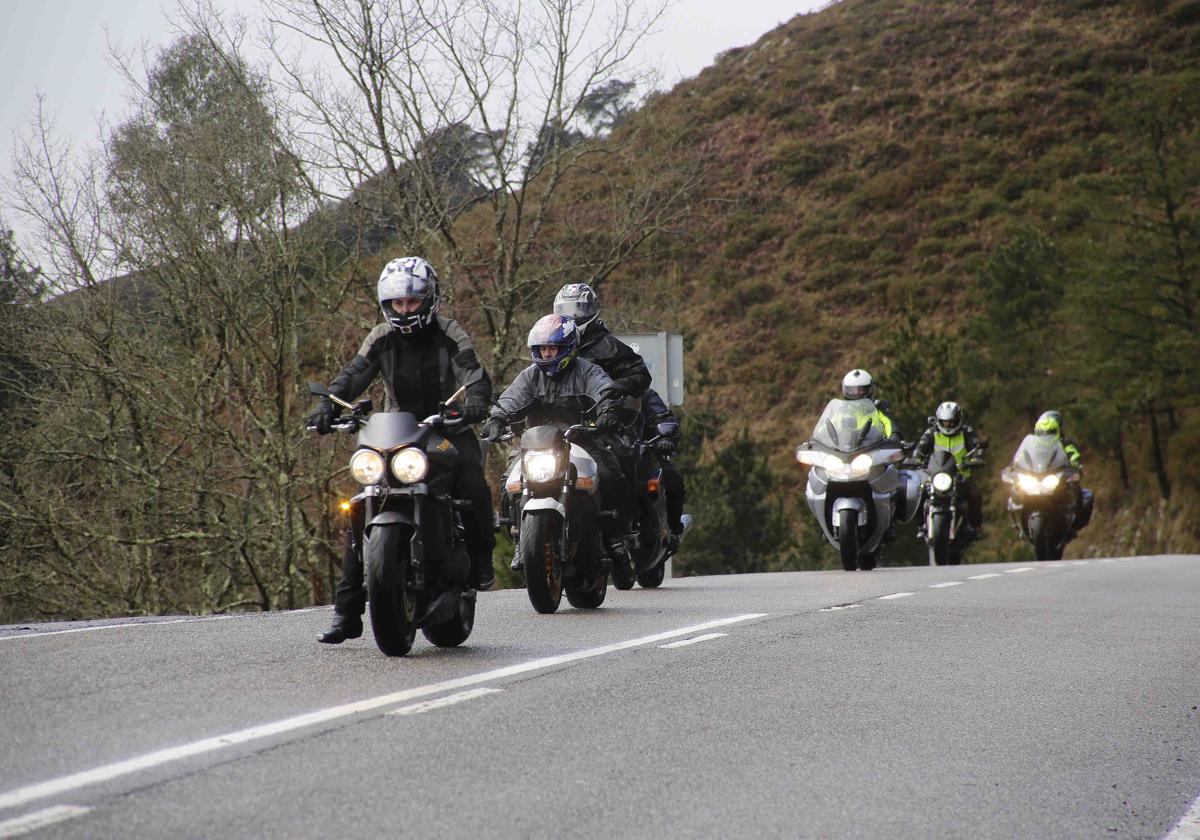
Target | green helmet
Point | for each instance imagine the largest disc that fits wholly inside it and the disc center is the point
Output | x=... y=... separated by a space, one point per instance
x=1050 y=423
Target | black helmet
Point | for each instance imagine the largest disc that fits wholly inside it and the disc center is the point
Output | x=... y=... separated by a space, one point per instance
x=408 y=278
x=948 y=418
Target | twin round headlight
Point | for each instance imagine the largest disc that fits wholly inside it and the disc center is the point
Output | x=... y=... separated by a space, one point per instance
x=857 y=468
x=1033 y=485
x=408 y=465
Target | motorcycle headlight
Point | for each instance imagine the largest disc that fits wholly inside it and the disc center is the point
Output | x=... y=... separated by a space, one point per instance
x=367 y=467
x=1029 y=484
x=540 y=465
x=942 y=482
x=1050 y=483
x=861 y=465
x=410 y=465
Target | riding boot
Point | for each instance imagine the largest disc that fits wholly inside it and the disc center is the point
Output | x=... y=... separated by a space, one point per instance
x=482 y=574
x=343 y=627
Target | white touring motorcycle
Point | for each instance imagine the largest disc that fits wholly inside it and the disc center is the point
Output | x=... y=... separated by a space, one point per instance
x=855 y=488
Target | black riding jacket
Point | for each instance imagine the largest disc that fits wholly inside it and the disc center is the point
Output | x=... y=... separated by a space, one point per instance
x=419 y=369
x=626 y=368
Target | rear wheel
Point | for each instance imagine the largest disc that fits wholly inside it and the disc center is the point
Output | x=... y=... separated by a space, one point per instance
x=623 y=575
x=541 y=542
x=848 y=538
x=869 y=561
x=454 y=631
x=393 y=603
x=939 y=538
x=653 y=578
x=588 y=593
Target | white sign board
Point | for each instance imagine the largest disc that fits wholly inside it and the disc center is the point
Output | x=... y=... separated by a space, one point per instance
x=663 y=353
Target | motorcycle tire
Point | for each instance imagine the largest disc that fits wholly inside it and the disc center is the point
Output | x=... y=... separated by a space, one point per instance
x=390 y=595
x=653 y=578
x=1043 y=542
x=589 y=593
x=867 y=562
x=848 y=539
x=939 y=539
x=540 y=542
x=623 y=575
x=454 y=631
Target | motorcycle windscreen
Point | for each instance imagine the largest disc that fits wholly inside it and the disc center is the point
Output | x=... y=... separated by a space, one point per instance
x=1041 y=454
x=941 y=460
x=848 y=425
x=388 y=429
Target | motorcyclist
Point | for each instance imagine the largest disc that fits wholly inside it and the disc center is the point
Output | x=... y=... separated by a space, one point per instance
x=423 y=358
x=597 y=344
x=858 y=385
x=657 y=422
x=560 y=388
x=1050 y=424
x=948 y=431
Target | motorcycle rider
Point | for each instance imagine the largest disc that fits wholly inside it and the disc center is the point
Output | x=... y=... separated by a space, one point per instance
x=1050 y=424
x=597 y=344
x=423 y=358
x=858 y=385
x=948 y=431
x=561 y=388
x=657 y=420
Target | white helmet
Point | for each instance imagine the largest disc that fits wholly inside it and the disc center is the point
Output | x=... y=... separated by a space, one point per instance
x=408 y=278
x=948 y=418
x=856 y=385
x=578 y=302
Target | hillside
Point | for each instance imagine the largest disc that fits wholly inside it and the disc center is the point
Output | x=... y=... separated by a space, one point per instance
x=876 y=155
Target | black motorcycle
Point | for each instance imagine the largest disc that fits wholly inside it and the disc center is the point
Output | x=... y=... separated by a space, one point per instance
x=553 y=508
x=408 y=527
x=652 y=539
x=947 y=533
x=1044 y=500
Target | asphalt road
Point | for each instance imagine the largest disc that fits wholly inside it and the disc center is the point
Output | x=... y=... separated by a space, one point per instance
x=1052 y=700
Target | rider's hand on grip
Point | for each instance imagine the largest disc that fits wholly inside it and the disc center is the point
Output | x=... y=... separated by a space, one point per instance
x=321 y=420
x=494 y=427
x=608 y=422
x=665 y=446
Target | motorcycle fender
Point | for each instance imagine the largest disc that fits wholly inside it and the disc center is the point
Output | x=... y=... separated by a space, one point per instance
x=545 y=503
x=391 y=517
x=909 y=497
x=853 y=504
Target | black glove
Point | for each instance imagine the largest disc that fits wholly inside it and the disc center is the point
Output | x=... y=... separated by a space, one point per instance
x=665 y=446
x=474 y=411
x=494 y=426
x=322 y=418
x=609 y=421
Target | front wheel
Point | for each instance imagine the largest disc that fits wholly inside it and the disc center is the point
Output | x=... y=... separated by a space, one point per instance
x=848 y=538
x=589 y=593
x=1042 y=538
x=454 y=631
x=393 y=603
x=653 y=578
x=540 y=548
x=939 y=538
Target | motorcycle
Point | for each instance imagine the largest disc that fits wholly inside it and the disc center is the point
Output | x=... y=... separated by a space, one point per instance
x=407 y=526
x=652 y=546
x=947 y=533
x=855 y=487
x=1045 y=499
x=554 y=512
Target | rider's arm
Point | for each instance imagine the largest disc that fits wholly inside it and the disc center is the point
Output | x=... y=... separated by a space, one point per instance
x=356 y=376
x=924 y=447
x=467 y=368
x=514 y=403
x=1073 y=453
x=625 y=367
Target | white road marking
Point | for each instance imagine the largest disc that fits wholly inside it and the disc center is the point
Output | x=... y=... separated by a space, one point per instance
x=984 y=577
x=1188 y=827
x=38 y=635
x=104 y=773
x=1019 y=570
x=944 y=585
x=692 y=641
x=839 y=607
x=442 y=702
x=894 y=595
x=40 y=819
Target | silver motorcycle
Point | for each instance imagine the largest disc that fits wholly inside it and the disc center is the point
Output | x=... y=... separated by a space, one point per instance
x=855 y=488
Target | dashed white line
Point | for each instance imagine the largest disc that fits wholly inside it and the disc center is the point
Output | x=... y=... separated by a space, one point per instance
x=1018 y=570
x=40 y=819
x=104 y=773
x=1188 y=827
x=693 y=640
x=984 y=577
x=895 y=595
x=839 y=607
x=944 y=585
x=442 y=702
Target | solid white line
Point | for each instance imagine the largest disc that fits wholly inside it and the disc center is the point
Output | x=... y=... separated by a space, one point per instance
x=40 y=819
x=1018 y=571
x=692 y=641
x=984 y=577
x=894 y=595
x=37 y=635
x=1188 y=827
x=944 y=585
x=442 y=702
x=107 y=772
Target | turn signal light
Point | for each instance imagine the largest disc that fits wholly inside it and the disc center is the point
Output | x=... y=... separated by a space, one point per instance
x=344 y=507
x=652 y=485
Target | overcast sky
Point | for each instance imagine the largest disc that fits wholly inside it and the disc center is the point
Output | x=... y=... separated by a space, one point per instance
x=59 y=48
